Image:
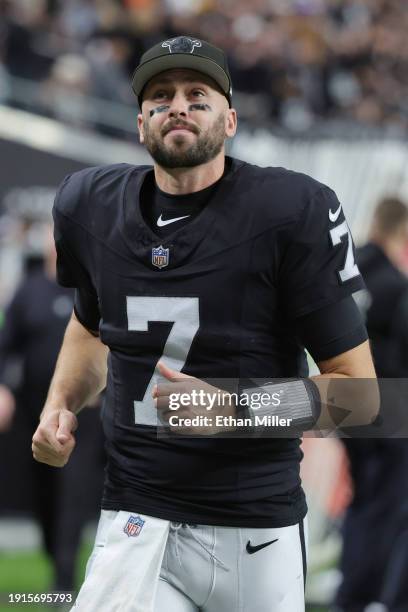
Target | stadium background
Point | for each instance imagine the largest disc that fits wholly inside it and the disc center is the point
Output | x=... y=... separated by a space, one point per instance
x=320 y=86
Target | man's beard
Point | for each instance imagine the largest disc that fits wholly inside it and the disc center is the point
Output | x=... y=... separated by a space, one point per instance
x=206 y=147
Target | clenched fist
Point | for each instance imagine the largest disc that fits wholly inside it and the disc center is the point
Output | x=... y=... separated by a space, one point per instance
x=53 y=442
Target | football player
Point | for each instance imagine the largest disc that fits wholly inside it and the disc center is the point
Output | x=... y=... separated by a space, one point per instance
x=199 y=267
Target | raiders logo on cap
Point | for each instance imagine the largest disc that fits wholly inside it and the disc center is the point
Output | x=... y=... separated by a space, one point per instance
x=183 y=52
x=181 y=44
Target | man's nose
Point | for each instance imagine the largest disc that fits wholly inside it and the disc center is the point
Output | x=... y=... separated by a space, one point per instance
x=178 y=106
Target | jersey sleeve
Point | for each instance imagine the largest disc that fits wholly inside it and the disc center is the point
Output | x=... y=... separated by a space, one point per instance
x=331 y=330
x=73 y=260
x=319 y=266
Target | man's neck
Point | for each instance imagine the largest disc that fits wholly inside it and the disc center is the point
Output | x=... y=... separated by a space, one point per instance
x=179 y=181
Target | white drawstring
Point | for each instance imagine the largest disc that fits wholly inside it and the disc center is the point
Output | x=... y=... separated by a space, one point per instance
x=176 y=526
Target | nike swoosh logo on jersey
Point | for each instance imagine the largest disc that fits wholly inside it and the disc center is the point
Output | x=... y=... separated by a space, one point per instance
x=253 y=549
x=333 y=216
x=161 y=222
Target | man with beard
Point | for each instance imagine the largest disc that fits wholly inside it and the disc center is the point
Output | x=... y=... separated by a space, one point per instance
x=200 y=267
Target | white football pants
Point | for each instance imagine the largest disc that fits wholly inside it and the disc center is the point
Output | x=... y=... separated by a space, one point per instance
x=160 y=566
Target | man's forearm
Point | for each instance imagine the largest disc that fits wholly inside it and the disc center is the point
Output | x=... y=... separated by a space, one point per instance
x=80 y=373
x=345 y=394
x=348 y=389
x=347 y=401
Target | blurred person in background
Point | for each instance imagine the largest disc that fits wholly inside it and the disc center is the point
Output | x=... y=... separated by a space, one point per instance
x=64 y=93
x=7 y=408
x=374 y=560
x=61 y=501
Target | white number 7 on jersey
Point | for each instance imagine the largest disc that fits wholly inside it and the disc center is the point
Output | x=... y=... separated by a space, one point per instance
x=183 y=312
x=350 y=267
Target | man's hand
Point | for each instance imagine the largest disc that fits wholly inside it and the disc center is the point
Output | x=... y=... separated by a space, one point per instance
x=203 y=403
x=53 y=442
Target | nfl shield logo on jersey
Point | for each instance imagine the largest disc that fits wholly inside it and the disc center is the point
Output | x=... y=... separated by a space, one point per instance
x=133 y=526
x=160 y=257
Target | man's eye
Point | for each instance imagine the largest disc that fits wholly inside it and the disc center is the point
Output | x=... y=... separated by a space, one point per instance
x=160 y=94
x=198 y=93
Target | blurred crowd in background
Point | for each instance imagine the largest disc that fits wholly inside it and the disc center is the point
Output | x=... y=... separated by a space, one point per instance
x=297 y=64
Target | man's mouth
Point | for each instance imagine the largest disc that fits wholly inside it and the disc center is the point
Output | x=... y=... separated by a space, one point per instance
x=179 y=128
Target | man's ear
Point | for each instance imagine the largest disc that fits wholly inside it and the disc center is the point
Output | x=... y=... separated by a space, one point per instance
x=140 y=127
x=231 y=123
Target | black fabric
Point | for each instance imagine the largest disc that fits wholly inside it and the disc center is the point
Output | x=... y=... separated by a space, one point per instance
x=332 y=330
x=241 y=271
x=183 y=52
x=86 y=308
x=71 y=273
x=303 y=546
x=374 y=560
x=386 y=310
x=35 y=322
x=311 y=266
x=158 y=207
x=374 y=523
x=395 y=586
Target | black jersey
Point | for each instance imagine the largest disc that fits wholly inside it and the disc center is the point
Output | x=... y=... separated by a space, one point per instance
x=34 y=326
x=385 y=304
x=162 y=210
x=218 y=298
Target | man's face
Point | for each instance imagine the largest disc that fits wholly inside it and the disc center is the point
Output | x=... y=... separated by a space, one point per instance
x=185 y=119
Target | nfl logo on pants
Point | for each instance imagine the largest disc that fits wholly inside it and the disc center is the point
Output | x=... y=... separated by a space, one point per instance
x=133 y=526
x=160 y=257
